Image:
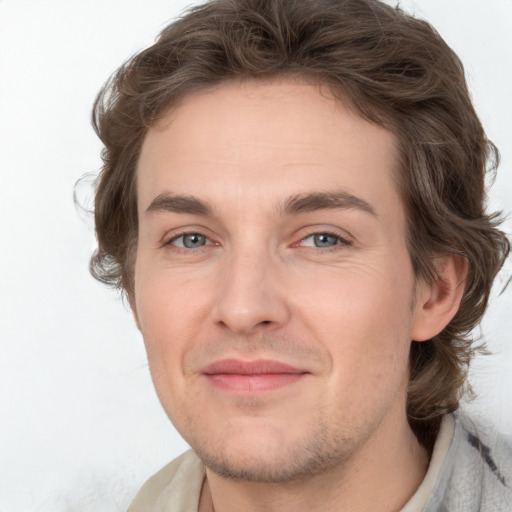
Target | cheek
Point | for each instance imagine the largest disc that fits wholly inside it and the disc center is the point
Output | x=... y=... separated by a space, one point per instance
x=359 y=297
x=166 y=326
x=165 y=298
x=168 y=315
x=363 y=317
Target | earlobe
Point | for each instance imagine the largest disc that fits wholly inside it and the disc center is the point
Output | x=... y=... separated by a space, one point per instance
x=438 y=302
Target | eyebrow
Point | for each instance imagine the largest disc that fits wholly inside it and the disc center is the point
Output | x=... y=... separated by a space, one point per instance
x=310 y=202
x=179 y=204
x=299 y=203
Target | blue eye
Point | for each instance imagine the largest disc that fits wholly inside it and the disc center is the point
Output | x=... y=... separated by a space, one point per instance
x=321 y=240
x=190 y=241
x=325 y=240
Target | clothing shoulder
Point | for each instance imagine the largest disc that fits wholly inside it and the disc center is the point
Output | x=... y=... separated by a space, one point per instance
x=176 y=486
x=477 y=473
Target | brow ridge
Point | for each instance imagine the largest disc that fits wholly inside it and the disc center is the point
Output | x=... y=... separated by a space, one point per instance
x=179 y=204
x=310 y=202
x=296 y=204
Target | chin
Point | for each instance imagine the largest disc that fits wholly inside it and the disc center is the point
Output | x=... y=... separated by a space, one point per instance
x=262 y=457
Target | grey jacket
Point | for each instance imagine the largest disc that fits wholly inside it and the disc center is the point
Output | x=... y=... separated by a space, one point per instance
x=476 y=475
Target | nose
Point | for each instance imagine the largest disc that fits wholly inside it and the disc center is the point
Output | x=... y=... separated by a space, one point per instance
x=251 y=297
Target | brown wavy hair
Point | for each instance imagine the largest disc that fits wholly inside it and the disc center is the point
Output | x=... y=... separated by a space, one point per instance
x=397 y=72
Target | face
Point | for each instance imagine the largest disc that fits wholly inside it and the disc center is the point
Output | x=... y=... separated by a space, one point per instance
x=273 y=287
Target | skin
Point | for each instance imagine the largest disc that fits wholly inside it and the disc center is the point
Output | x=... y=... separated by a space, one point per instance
x=253 y=284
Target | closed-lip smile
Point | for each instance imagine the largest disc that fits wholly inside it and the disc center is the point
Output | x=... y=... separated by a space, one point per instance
x=250 y=377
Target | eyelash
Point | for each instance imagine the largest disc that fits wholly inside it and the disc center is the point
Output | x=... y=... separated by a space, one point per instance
x=185 y=250
x=342 y=242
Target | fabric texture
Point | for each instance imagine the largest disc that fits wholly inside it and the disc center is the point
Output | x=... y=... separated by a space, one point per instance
x=476 y=475
x=470 y=471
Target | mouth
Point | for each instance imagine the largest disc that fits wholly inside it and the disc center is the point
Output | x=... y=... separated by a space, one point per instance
x=251 y=377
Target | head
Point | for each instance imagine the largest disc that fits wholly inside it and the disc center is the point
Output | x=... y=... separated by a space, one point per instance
x=393 y=73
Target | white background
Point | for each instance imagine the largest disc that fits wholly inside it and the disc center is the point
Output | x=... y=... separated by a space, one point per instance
x=80 y=426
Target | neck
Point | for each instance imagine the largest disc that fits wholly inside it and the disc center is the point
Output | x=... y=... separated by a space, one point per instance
x=387 y=469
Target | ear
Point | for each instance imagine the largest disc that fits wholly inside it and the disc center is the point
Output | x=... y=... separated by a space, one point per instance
x=438 y=302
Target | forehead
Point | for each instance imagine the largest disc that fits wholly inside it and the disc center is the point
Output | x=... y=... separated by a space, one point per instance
x=266 y=139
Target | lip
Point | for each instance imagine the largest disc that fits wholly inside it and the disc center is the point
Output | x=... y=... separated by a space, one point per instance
x=251 y=377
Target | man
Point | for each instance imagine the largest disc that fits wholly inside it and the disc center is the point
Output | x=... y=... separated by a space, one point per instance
x=292 y=199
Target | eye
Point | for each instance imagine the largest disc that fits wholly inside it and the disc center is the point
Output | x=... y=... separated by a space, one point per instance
x=190 y=241
x=323 y=240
